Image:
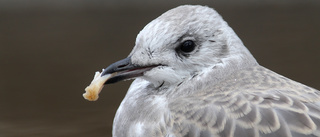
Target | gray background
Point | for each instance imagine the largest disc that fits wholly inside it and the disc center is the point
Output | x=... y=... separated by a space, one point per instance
x=49 y=51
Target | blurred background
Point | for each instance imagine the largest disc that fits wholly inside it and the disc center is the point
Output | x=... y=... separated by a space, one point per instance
x=50 y=49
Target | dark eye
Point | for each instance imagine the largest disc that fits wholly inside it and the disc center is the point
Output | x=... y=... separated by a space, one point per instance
x=187 y=46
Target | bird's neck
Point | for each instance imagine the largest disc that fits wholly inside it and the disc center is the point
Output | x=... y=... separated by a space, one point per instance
x=213 y=75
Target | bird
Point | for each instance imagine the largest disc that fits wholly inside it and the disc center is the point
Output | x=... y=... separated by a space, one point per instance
x=193 y=77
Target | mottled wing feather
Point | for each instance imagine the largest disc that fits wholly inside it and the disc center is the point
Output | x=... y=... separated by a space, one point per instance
x=248 y=119
x=288 y=109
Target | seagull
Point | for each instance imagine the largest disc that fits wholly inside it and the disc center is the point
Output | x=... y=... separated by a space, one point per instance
x=195 y=78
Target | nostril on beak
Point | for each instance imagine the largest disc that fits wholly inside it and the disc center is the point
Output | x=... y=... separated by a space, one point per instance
x=124 y=65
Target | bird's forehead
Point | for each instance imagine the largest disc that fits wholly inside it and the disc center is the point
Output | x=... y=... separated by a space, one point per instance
x=160 y=31
x=175 y=23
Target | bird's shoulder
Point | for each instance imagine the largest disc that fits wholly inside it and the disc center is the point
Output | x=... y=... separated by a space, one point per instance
x=251 y=102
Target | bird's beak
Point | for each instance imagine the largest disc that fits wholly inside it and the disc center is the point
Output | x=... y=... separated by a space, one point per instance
x=124 y=69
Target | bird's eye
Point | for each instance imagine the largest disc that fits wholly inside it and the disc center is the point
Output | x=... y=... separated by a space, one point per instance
x=187 y=46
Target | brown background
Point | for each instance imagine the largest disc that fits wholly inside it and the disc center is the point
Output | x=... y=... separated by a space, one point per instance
x=49 y=51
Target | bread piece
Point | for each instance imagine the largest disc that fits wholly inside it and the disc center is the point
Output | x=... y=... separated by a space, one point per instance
x=93 y=90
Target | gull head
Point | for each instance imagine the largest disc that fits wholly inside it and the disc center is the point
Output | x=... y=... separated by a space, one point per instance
x=182 y=43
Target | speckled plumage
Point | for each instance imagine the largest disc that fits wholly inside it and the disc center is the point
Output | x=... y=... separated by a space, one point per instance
x=219 y=90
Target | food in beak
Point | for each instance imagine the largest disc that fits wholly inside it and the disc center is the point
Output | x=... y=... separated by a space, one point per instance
x=93 y=90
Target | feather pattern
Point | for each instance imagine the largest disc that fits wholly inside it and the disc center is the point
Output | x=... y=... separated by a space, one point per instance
x=246 y=111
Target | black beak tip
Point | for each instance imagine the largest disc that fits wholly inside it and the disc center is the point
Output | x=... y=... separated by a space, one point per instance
x=118 y=66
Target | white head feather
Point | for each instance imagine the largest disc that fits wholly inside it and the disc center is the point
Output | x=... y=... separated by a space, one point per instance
x=216 y=45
